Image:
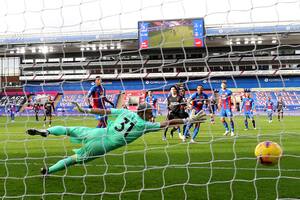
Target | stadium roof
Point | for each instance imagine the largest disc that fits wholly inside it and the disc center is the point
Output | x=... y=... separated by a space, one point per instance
x=210 y=31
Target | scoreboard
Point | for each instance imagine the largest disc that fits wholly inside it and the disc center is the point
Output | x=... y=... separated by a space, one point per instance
x=171 y=33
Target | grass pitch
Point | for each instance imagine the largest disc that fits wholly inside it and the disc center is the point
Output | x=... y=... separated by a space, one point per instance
x=177 y=37
x=217 y=167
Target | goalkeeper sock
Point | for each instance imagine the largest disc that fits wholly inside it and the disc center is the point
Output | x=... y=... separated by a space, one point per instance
x=232 y=125
x=196 y=131
x=246 y=123
x=58 y=130
x=62 y=164
x=225 y=125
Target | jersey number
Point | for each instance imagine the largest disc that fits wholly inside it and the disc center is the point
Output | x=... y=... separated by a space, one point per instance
x=126 y=121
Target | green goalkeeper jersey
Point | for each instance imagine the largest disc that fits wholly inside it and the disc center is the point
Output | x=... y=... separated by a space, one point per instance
x=127 y=127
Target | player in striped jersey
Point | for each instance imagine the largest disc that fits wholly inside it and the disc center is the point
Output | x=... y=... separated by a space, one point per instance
x=98 y=94
x=197 y=101
x=248 y=107
x=225 y=100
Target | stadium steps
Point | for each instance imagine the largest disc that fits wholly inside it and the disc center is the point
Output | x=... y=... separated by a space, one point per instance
x=120 y=100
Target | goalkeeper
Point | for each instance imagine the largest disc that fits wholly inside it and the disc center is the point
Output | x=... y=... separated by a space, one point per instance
x=127 y=127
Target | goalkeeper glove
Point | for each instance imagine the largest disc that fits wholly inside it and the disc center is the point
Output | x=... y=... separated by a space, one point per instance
x=200 y=117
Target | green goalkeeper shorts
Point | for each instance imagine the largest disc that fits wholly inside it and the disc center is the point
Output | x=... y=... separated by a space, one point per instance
x=94 y=142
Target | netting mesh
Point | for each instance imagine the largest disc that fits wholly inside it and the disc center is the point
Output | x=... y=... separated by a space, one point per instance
x=75 y=41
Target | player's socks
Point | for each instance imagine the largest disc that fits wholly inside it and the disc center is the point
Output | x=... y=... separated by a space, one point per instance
x=253 y=123
x=246 y=123
x=165 y=132
x=196 y=131
x=62 y=164
x=172 y=131
x=232 y=126
x=225 y=125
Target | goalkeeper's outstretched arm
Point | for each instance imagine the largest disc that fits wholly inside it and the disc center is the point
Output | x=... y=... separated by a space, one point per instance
x=198 y=118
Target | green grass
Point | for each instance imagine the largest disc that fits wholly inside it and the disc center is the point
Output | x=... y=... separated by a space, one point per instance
x=217 y=167
x=181 y=36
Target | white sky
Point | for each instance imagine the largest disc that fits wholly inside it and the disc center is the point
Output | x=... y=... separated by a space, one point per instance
x=64 y=16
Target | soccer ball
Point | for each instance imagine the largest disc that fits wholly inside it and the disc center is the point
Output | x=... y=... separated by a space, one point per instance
x=268 y=152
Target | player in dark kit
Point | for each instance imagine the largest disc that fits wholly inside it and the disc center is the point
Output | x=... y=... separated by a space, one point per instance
x=176 y=106
x=36 y=109
x=49 y=108
x=213 y=105
x=280 y=106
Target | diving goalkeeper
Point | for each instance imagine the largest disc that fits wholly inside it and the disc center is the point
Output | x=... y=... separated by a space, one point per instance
x=127 y=127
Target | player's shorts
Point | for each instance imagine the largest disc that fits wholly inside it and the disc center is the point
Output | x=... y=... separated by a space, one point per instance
x=226 y=113
x=101 y=117
x=177 y=115
x=248 y=115
x=48 y=113
x=94 y=140
x=280 y=110
x=154 y=113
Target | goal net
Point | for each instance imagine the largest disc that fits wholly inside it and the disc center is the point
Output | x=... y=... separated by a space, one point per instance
x=53 y=53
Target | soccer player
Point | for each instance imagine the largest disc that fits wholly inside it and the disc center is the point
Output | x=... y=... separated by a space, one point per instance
x=36 y=109
x=225 y=99
x=248 y=107
x=269 y=107
x=184 y=108
x=197 y=101
x=175 y=110
x=213 y=105
x=49 y=108
x=98 y=94
x=153 y=101
x=127 y=127
x=280 y=106
x=12 y=110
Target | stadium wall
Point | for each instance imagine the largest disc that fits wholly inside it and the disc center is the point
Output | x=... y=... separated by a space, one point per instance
x=160 y=84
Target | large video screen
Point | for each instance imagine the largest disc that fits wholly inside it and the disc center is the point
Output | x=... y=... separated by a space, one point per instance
x=171 y=33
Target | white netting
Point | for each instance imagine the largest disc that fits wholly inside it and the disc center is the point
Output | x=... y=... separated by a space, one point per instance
x=57 y=48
